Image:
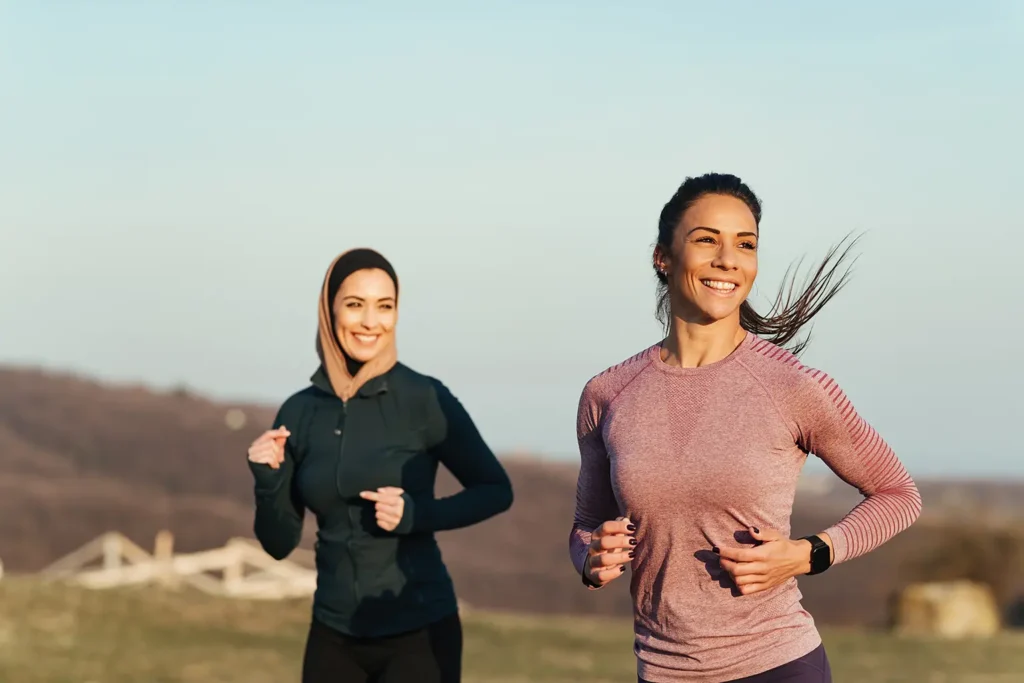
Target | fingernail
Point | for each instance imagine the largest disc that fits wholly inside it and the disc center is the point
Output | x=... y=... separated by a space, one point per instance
x=756 y=530
x=631 y=554
x=632 y=541
x=715 y=550
x=622 y=568
x=631 y=527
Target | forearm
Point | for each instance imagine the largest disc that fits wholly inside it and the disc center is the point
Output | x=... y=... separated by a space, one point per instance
x=278 y=520
x=590 y=514
x=878 y=518
x=595 y=501
x=472 y=505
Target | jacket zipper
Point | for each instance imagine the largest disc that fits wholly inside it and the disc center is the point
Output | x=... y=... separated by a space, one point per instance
x=337 y=483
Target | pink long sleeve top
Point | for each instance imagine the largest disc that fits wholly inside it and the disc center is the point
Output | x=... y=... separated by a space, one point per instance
x=694 y=456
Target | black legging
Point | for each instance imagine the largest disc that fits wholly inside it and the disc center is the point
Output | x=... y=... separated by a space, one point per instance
x=813 y=667
x=430 y=655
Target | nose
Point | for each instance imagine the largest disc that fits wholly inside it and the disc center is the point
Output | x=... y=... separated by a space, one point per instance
x=725 y=259
x=369 y=320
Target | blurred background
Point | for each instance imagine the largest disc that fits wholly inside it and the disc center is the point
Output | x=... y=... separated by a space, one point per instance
x=176 y=177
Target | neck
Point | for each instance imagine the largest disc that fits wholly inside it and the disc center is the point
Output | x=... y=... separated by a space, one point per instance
x=692 y=345
x=352 y=365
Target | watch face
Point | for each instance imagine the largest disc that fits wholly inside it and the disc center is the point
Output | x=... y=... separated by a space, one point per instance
x=819 y=557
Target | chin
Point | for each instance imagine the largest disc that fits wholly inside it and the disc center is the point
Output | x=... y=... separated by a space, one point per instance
x=715 y=313
x=362 y=354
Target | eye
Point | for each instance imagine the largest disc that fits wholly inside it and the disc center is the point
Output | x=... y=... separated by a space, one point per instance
x=748 y=245
x=352 y=304
x=386 y=307
x=706 y=239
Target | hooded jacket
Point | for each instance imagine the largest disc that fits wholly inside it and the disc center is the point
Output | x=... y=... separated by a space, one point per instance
x=394 y=430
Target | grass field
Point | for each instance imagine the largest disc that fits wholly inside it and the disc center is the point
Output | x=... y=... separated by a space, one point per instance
x=59 y=634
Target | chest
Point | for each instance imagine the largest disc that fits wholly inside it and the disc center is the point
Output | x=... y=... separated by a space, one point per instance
x=359 y=446
x=707 y=447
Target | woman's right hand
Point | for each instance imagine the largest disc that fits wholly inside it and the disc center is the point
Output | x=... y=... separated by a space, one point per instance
x=610 y=550
x=268 y=449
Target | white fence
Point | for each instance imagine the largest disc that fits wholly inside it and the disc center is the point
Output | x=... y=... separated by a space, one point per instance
x=239 y=569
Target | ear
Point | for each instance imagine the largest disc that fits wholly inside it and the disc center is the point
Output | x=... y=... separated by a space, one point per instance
x=661 y=260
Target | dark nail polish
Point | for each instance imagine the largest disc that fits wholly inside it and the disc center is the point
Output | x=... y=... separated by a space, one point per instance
x=756 y=530
x=622 y=568
x=631 y=554
x=715 y=550
x=632 y=541
x=631 y=527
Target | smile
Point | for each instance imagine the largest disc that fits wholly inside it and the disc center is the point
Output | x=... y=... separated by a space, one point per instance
x=366 y=338
x=719 y=286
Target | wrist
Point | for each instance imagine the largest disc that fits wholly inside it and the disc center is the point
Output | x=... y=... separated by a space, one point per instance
x=803 y=551
x=405 y=525
x=266 y=479
x=816 y=551
x=587 y=580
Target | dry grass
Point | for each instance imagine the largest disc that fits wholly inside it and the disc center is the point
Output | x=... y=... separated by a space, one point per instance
x=989 y=554
x=60 y=634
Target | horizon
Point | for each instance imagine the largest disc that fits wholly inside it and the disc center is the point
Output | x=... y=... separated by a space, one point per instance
x=809 y=476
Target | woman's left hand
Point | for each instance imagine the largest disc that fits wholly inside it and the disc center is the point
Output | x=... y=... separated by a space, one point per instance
x=776 y=560
x=389 y=505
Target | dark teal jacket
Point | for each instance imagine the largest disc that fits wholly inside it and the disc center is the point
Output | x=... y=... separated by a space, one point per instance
x=393 y=432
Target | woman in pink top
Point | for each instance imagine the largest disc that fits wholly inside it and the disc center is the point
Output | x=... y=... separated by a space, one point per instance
x=691 y=451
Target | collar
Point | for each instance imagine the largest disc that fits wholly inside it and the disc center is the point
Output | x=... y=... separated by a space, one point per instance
x=373 y=387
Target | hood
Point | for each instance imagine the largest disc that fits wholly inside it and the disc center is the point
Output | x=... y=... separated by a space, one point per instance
x=333 y=359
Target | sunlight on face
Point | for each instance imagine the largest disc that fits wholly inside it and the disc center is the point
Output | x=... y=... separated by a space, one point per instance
x=365 y=313
x=713 y=262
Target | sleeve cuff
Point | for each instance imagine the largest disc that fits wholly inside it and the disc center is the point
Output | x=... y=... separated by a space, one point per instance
x=408 y=514
x=267 y=479
x=588 y=583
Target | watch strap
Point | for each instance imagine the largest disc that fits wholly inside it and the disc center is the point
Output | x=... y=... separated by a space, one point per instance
x=820 y=554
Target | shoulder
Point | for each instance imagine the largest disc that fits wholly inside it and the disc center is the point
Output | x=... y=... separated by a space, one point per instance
x=608 y=383
x=601 y=389
x=414 y=384
x=431 y=404
x=297 y=402
x=423 y=395
x=294 y=412
x=787 y=379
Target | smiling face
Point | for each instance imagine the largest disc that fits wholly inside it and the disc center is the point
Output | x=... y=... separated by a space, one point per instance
x=712 y=261
x=365 y=313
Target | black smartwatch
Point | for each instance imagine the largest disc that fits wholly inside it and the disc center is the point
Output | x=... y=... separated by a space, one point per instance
x=821 y=555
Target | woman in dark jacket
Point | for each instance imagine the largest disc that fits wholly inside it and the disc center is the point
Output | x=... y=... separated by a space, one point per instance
x=360 y=448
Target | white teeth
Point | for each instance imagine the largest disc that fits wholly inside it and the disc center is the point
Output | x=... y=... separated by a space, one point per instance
x=366 y=338
x=716 y=284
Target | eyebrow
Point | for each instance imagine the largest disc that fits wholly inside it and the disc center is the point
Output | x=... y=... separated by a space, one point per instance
x=359 y=298
x=719 y=232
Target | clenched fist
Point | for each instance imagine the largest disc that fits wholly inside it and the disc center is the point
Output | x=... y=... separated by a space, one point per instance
x=776 y=559
x=268 y=449
x=611 y=549
x=389 y=506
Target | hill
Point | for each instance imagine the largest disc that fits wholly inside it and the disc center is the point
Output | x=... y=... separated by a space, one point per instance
x=80 y=457
x=51 y=634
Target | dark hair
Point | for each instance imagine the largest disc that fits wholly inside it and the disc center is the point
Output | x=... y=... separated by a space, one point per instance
x=788 y=314
x=353 y=260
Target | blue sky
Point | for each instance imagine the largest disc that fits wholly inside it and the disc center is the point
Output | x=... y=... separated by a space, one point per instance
x=174 y=179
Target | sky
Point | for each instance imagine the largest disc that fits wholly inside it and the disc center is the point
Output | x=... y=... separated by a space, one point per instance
x=176 y=177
